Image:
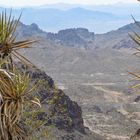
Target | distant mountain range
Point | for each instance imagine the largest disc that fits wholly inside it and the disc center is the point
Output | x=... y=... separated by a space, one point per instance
x=82 y=37
x=100 y=19
x=70 y=42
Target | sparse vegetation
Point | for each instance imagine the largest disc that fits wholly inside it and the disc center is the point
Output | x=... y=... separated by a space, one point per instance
x=15 y=86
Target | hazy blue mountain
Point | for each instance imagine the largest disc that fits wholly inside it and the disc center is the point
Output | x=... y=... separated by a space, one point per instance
x=98 y=19
x=120 y=8
x=53 y=20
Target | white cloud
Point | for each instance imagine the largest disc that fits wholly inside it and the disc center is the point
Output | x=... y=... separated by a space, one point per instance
x=15 y=3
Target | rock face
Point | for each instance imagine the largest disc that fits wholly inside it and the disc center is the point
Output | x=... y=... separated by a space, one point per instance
x=59 y=111
x=69 y=114
x=136 y=136
x=24 y=31
x=82 y=37
x=137 y=99
x=76 y=37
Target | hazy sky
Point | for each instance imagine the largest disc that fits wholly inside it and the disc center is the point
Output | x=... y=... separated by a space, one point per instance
x=15 y=3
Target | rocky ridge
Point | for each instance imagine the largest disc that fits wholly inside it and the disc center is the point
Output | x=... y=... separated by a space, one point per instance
x=58 y=114
x=82 y=37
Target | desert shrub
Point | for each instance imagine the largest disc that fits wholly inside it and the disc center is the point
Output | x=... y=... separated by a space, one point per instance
x=15 y=86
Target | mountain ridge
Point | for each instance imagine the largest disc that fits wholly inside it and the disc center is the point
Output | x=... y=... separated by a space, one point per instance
x=82 y=37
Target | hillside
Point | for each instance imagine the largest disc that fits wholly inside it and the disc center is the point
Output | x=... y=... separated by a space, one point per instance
x=93 y=75
x=58 y=114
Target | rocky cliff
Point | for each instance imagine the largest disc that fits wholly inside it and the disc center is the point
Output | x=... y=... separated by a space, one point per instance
x=76 y=37
x=59 y=118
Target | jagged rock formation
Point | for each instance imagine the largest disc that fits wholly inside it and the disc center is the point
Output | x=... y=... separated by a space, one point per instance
x=60 y=116
x=77 y=37
x=81 y=37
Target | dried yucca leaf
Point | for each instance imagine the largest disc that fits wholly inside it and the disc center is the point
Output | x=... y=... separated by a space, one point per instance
x=14 y=91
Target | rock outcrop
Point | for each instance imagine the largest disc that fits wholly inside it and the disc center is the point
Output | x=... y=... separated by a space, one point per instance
x=76 y=37
x=61 y=117
x=136 y=136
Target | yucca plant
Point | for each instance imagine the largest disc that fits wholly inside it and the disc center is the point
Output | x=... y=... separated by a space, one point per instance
x=136 y=38
x=14 y=93
x=8 y=43
x=15 y=87
x=136 y=76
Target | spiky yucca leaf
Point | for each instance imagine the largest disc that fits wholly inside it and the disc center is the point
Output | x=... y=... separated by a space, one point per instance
x=14 y=91
x=15 y=86
x=136 y=38
x=8 y=44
